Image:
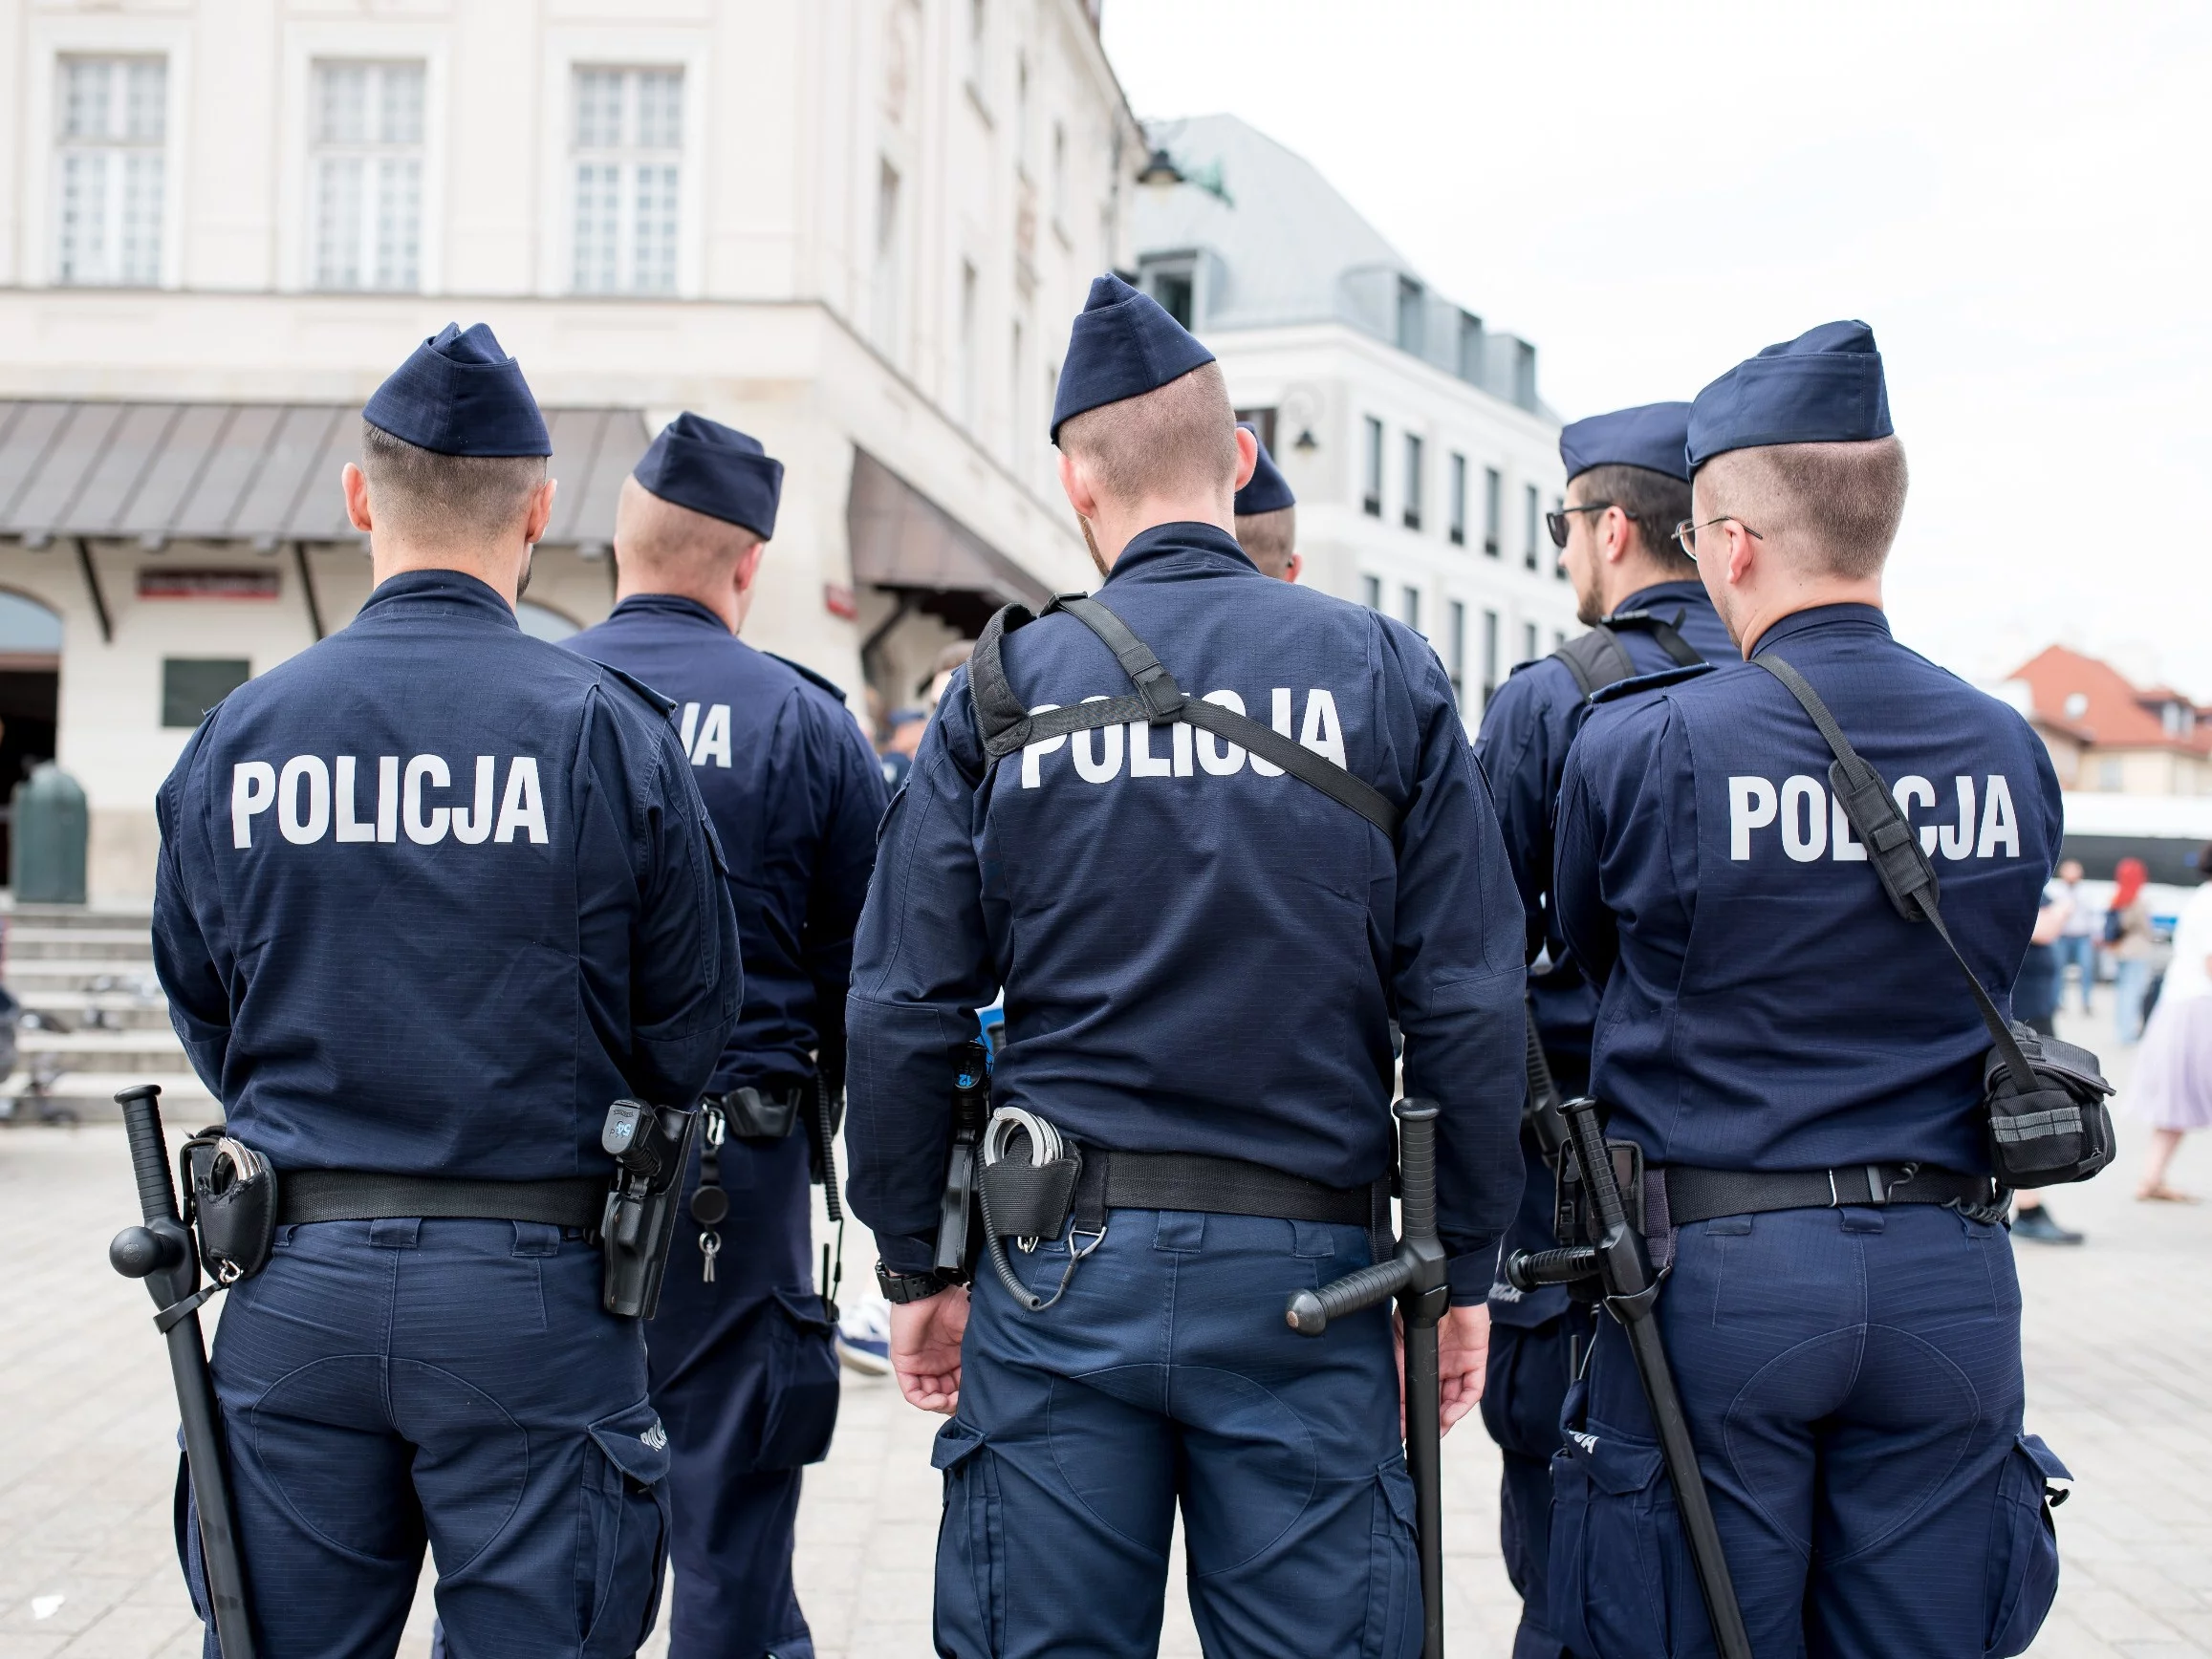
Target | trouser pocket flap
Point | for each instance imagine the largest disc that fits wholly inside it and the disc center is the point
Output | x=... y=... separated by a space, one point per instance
x=2023 y=1572
x=800 y=1410
x=622 y=1553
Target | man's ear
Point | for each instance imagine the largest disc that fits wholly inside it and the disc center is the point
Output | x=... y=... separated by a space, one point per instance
x=748 y=567
x=1247 y=456
x=541 y=500
x=1613 y=532
x=1741 y=550
x=1076 y=481
x=356 y=484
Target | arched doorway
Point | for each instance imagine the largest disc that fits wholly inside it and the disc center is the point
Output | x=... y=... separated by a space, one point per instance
x=30 y=696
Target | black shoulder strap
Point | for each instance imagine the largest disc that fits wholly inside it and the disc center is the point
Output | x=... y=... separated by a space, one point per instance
x=1899 y=860
x=1665 y=632
x=1007 y=727
x=1596 y=658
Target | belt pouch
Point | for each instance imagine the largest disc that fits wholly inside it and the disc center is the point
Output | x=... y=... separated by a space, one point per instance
x=755 y=1116
x=1028 y=1201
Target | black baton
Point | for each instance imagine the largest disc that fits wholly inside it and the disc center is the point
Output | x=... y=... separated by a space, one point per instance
x=1415 y=1276
x=1617 y=1260
x=162 y=1253
x=1540 y=1116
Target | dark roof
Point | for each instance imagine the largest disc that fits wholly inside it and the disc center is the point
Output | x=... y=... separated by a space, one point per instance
x=903 y=540
x=263 y=473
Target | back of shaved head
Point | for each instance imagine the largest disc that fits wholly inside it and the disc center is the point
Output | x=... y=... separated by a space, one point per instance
x=1180 y=437
x=661 y=544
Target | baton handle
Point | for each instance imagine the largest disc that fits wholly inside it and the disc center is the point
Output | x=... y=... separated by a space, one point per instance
x=1527 y=1269
x=1311 y=1310
x=1417 y=1168
x=142 y=1108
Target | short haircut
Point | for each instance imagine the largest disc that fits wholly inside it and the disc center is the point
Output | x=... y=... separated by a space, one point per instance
x=657 y=538
x=1653 y=503
x=1843 y=501
x=1269 y=539
x=1175 y=437
x=445 y=499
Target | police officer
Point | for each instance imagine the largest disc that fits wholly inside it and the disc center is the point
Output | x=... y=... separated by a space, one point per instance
x=1628 y=485
x=1268 y=516
x=432 y=895
x=744 y=1373
x=1804 y=1068
x=1200 y=955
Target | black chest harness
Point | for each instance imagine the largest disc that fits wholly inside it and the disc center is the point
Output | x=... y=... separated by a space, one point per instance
x=1008 y=727
x=1598 y=659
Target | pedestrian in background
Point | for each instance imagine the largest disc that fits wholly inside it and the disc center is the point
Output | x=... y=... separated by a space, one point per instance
x=2173 y=1090
x=2077 y=933
x=2128 y=937
x=2035 y=1004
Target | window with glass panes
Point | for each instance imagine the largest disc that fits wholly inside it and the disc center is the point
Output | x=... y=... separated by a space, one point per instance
x=1530 y=500
x=629 y=159
x=113 y=118
x=367 y=176
x=1459 y=502
x=1456 y=635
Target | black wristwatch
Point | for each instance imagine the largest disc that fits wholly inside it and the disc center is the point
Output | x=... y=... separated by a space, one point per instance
x=902 y=1288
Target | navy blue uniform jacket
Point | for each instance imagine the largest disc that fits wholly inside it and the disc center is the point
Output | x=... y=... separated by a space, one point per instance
x=1522 y=750
x=1197 y=956
x=433 y=894
x=795 y=794
x=1763 y=1006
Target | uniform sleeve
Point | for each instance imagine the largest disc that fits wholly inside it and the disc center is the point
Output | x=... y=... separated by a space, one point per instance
x=687 y=979
x=922 y=966
x=1626 y=836
x=851 y=807
x=1459 y=978
x=1517 y=751
x=184 y=959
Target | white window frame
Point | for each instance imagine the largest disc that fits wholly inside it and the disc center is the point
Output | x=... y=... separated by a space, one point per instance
x=628 y=161
x=49 y=38
x=306 y=44
x=573 y=48
x=382 y=150
x=113 y=155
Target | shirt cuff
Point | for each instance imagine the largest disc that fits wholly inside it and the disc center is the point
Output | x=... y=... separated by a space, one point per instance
x=913 y=1253
x=1471 y=1275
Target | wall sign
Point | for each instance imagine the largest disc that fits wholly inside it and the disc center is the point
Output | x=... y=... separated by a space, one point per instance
x=165 y=584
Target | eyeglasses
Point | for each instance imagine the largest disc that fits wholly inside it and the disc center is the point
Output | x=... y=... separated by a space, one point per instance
x=1556 y=521
x=1686 y=532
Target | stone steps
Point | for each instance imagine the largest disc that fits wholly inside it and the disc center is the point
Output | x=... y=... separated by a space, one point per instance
x=72 y=965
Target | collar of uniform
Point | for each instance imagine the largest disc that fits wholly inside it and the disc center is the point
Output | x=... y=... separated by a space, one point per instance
x=668 y=605
x=1822 y=617
x=1169 y=552
x=1662 y=593
x=456 y=592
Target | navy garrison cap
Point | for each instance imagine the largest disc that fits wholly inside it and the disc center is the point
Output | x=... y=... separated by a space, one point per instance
x=714 y=469
x=459 y=394
x=1269 y=490
x=1823 y=387
x=1653 y=436
x=1124 y=345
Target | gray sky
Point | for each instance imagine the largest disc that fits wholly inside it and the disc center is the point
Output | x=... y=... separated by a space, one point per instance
x=2015 y=196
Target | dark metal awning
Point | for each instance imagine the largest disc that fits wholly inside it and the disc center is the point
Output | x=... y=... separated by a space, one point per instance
x=261 y=473
x=903 y=540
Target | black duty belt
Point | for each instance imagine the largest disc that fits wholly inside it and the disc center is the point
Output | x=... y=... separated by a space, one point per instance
x=1113 y=1180
x=1702 y=1194
x=305 y=1195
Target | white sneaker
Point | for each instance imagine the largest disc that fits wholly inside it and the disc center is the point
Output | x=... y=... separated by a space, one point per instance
x=864 y=1338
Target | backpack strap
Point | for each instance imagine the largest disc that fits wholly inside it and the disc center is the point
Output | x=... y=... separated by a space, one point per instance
x=1007 y=726
x=1900 y=861
x=1595 y=658
x=1665 y=632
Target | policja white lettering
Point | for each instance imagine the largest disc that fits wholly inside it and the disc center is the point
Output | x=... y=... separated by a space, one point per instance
x=1813 y=826
x=311 y=796
x=1190 y=752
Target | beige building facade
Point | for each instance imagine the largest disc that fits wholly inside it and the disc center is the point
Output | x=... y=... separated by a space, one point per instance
x=855 y=229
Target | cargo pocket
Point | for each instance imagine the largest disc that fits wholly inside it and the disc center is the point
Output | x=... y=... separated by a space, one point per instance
x=2023 y=1547
x=1615 y=1539
x=968 y=1550
x=802 y=1383
x=187 y=1525
x=1393 y=1569
x=622 y=1543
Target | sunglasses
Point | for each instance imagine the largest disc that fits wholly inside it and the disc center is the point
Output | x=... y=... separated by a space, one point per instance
x=1556 y=521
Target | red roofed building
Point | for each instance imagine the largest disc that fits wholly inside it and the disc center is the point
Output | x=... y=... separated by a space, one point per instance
x=2110 y=736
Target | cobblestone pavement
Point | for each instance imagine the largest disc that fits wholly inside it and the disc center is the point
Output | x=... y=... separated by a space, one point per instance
x=2120 y=1364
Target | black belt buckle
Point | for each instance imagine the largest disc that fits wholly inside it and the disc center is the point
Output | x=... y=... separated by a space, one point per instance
x=1878 y=1187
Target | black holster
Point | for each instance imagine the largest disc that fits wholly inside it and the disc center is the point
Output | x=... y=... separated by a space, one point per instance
x=652 y=1148
x=230 y=1204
